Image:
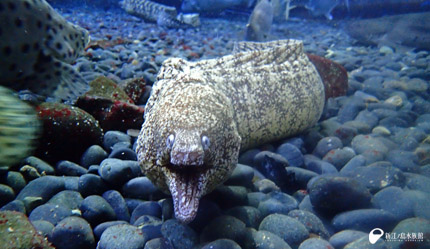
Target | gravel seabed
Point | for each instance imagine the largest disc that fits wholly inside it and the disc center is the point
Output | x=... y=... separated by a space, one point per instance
x=365 y=165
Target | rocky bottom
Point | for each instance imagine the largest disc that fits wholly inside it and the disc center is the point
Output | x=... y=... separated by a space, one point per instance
x=366 y=164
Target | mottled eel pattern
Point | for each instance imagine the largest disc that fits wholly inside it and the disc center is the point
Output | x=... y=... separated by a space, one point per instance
x=201 y=114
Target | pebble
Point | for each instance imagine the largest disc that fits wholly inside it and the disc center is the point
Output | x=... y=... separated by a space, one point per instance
x=15 y=205
x=342 y=238
x=412 y=225
x=350 y=110
x=123 y=154
x=112 y=137
x=417 y=182
x=180 y=235
x=339 y=157
x=327 y=144
x=224 y=227
x=363 y=143
x=364 y=242
x=73 y=232
x=90 y=184
x=100 y=228
x=406 y=161
x=68 y=168
x=333 y=194
x=251 y=216
x=320 y=167
x=44 y=227
x=229 y=196
x=117 y=202
x=207 y=211
x=44 y=187
x=420 y=203
x=122 y=236
x=345 y=133
x=291 y=153
x=16 y=181
x=117 y=172
x=377 y=176
x=94 y=155
x=247 y=157
x=301 y=176
x=364 y=220
x=6 y=194
x=50 y=212
x=222 y=244
x=150 y=225
x=254 y=198
x=67 y=198
x=312 y=223
x=272 y=166
x=152 y=208
x=265 y=186
x=158 y=243
x=242 y=176
x=97 y=210
x=263 y=240
x=41 y=166
x=289 y=229
x=368 y=118
x=394 y=200
x=315 y=243
x=277 y=202
x=141 y=188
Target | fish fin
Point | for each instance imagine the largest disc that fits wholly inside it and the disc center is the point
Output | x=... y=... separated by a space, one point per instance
x=20 y=128
x=54 y=79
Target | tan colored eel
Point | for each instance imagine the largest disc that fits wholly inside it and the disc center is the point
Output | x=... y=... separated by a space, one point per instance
x=201 y=114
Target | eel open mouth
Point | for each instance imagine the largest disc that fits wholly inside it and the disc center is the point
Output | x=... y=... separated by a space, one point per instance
x=186 y=184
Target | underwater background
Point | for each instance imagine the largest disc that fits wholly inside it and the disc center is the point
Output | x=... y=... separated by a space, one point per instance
x=74 y=81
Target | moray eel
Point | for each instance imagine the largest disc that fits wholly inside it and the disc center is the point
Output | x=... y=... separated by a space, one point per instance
x=149 y=11
x=200 y=115
x=37 y=46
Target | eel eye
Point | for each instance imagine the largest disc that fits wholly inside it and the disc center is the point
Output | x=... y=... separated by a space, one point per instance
x=170 y=140
x=206 y=142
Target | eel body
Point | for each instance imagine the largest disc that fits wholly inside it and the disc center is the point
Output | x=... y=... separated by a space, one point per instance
x=202 y=114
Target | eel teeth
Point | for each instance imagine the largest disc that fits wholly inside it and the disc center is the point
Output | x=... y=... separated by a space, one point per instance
x=186 y=188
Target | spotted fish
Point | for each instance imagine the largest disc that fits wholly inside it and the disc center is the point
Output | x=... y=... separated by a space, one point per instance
x=37 y=46
x=163 y=15
x=201 y=114
x=19 y=128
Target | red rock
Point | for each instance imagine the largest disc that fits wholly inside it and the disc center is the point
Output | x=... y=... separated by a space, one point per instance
x=134 y=88
x=67 y=132
x=111 y=106
x=333 y=75
x=16 y=231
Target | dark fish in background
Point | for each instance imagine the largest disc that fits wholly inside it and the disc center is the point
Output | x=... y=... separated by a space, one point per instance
x=19 y=128
x=37 y=46
x=323 y=7
x=259 y=23
x=402 y=32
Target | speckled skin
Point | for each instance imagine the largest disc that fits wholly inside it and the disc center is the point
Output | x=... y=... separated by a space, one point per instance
x=214 y=108
x=151 y=11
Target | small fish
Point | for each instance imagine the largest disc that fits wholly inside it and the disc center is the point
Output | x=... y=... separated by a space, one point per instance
x=19 y=128
x=260 y=21
x=37 y=46
x=323 y=7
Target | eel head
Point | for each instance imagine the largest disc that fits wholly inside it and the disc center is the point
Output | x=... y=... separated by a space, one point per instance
x=188 y=145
